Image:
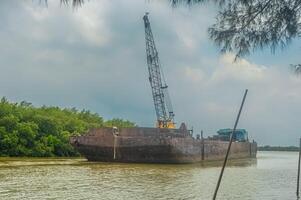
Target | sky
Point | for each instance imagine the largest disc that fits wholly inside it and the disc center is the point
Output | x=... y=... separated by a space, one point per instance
x=93 y=58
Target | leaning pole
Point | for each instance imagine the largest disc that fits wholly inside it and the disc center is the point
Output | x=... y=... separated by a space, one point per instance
x=229 y=146
x=298 y=175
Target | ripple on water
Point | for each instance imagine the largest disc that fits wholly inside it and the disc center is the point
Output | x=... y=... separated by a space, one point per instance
x=273 y=176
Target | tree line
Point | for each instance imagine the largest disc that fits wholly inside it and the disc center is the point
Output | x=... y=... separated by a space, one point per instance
x=278 y=148
x=26 y=130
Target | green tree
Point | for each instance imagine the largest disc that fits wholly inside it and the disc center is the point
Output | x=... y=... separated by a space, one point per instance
x=10 y=122
x=119 y=123
x=27 y=131
x=44 y=131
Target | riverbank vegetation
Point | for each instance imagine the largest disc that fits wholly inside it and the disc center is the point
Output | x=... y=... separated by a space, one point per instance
x=278 y=148
x=44 y=131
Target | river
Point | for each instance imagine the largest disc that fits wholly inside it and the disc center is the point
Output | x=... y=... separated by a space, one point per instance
x=271 y=176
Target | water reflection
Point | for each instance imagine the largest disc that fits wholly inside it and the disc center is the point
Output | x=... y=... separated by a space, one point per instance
x=230 y=163
x=19 y=162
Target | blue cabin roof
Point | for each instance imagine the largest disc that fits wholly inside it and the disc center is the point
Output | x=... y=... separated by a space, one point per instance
x=239 y=135
x=228 y=131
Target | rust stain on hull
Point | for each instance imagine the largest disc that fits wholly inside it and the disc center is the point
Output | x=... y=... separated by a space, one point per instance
x=154 y=145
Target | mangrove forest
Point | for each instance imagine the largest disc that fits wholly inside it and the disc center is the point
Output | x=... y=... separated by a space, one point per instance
x=26 y=130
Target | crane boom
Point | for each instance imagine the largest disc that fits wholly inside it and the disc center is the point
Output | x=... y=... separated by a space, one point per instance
x=163 y=106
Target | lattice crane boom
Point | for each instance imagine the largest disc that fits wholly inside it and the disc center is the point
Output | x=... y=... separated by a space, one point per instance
x=163 y=106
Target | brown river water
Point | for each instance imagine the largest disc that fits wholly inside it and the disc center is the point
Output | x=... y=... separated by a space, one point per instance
x=271 y=176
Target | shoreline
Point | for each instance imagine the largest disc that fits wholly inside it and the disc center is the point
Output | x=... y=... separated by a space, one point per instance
x=82 y=157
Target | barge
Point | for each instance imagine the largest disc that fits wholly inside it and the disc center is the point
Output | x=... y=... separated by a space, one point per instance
x=156 y=145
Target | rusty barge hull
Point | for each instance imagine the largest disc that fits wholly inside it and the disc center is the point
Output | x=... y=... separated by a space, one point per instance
x=154 y=145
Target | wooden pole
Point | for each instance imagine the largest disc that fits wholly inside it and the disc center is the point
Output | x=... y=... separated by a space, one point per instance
x=229 y=146
x=298 y=176
x=203 y=145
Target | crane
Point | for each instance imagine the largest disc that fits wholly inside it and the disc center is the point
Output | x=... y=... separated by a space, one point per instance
x=162 y=102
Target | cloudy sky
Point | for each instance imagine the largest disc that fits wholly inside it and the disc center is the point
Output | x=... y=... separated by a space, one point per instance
x=94 y=58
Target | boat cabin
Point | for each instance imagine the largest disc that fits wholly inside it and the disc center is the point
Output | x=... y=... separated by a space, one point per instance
x=240 y=135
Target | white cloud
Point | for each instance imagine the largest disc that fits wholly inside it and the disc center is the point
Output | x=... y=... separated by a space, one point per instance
x=241 y=70
x=195 y=75
x=91 y=22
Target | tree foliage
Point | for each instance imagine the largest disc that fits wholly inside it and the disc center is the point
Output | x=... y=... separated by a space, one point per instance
x=119 y=123
x=243 y=26
x=278 y=148
x=75 y=3
x=26 y=130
